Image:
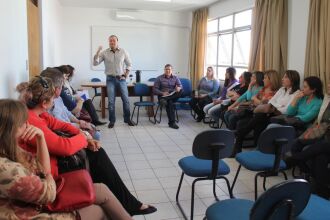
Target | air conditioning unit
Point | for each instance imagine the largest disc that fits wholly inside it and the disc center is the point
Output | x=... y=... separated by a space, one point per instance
x=127 y=15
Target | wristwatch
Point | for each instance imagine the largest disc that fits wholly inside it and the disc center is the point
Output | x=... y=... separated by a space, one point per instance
x=88 y=135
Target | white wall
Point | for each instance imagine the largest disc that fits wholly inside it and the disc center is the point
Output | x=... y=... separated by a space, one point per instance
x=297 y=39
x=76 y=39
x=297 y=24
x=13 y=46
x=51 y=28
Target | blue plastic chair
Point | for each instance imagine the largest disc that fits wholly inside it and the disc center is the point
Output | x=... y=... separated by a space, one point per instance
x=317 y=208
x=152 y=79
x=141 y=90
x=208 y=149
x=96 y=92
x=183 y=101
x=281 y=202
x=266 y=159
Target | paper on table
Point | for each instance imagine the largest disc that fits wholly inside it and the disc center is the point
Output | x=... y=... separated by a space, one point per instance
x=172 y=93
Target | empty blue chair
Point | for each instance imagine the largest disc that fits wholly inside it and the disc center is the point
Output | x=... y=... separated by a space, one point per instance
x=183 y=101
x=209 y=148
x=267 y=158
x=141 y=90
x=152 y=79
x=281 y=202
x=317 y=208
x=96 y=92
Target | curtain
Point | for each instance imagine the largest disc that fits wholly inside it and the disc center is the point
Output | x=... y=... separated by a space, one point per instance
x=269 y=40
x=317 y=58
x=198 y=45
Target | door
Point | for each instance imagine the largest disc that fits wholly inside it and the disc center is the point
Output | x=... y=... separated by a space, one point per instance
x=33 y=37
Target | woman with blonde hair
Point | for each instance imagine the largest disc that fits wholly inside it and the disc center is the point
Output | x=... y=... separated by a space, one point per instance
x=206 y=91
x=25 y=179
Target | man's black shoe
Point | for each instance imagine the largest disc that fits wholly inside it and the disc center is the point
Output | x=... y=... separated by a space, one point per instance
x=173 y=125
x=99 y=123
x=111 y=125
x=130 y=123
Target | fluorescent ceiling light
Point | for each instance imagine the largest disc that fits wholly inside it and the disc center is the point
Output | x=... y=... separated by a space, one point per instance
x=158 y=0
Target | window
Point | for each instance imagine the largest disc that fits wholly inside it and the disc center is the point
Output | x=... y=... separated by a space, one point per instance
x=228 y=42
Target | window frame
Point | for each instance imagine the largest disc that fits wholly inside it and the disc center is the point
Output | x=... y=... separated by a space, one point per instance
x=231 y=31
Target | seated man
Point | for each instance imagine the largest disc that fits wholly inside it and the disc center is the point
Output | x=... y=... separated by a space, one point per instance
x=168 y=88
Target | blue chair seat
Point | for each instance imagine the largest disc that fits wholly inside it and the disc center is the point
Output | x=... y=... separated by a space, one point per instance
x=258 y=161
x=230 y=209
x=195 y=167
x=184 y=100
x=144 y=103
x=317 y=208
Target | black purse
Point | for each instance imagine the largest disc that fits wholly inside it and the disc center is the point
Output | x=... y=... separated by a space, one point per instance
x=77 y=161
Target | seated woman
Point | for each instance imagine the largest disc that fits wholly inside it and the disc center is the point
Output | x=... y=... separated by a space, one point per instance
x=60 y=111
x=73 y=102
x=39 y=99
x=219 y=105
x=315 y=133
x=207 y=89
x=232 y=115
x=277 y=105
x=306 y=104
x=26 y=180
x=271 y=85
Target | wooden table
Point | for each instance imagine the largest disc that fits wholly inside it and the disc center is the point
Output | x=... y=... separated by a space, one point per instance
x=130 y=87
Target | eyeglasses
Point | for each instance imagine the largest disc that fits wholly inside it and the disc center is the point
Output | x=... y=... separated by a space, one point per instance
x=44 y=84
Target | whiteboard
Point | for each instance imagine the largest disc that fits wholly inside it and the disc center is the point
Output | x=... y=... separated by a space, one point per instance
x=139 y=43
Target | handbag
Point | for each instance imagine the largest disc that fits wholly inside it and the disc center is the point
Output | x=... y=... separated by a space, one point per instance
x=244 y=109
x=74 y=190
x=315 y=132
x=76 y=161
x=288 y=120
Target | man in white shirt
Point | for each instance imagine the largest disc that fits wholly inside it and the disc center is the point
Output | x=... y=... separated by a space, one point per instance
x=117 y=66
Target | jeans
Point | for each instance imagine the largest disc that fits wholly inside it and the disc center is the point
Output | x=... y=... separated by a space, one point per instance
x=112 y=84
x=170 y=108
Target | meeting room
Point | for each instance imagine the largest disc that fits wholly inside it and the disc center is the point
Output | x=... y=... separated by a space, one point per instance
x=165 y=109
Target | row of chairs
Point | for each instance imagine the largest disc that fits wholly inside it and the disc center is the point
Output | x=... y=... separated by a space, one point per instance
x=142 y=90
x=211 y=146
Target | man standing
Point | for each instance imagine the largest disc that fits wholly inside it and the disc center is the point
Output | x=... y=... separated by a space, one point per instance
x=117 y=66
x=168 y=88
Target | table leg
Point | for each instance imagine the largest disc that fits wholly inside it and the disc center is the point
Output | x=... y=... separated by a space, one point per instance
x=103 y=91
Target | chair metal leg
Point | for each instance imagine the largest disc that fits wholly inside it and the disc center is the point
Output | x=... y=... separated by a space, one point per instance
x=214 y=191
x=192 y=199
x=228 y=186
x=138 y=113
x=159 y=108
x=176 y=115
x=284 y=174
x=236 y=175
x=177 y=197
x=133 y=113
x=264 y=183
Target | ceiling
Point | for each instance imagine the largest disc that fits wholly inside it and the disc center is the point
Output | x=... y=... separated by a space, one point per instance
x=174 y=5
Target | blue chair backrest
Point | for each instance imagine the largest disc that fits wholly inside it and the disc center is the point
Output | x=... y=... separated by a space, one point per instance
x=141 y=89
x=152 y=79
x=186 y=86
x=95 y=80
x=204 y=139
x=271 y=204
x=269 y=135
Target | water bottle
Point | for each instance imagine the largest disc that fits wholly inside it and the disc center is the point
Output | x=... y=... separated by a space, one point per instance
x=138 y=76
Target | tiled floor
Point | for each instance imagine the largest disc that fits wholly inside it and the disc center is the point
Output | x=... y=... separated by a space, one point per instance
x=147 y=155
